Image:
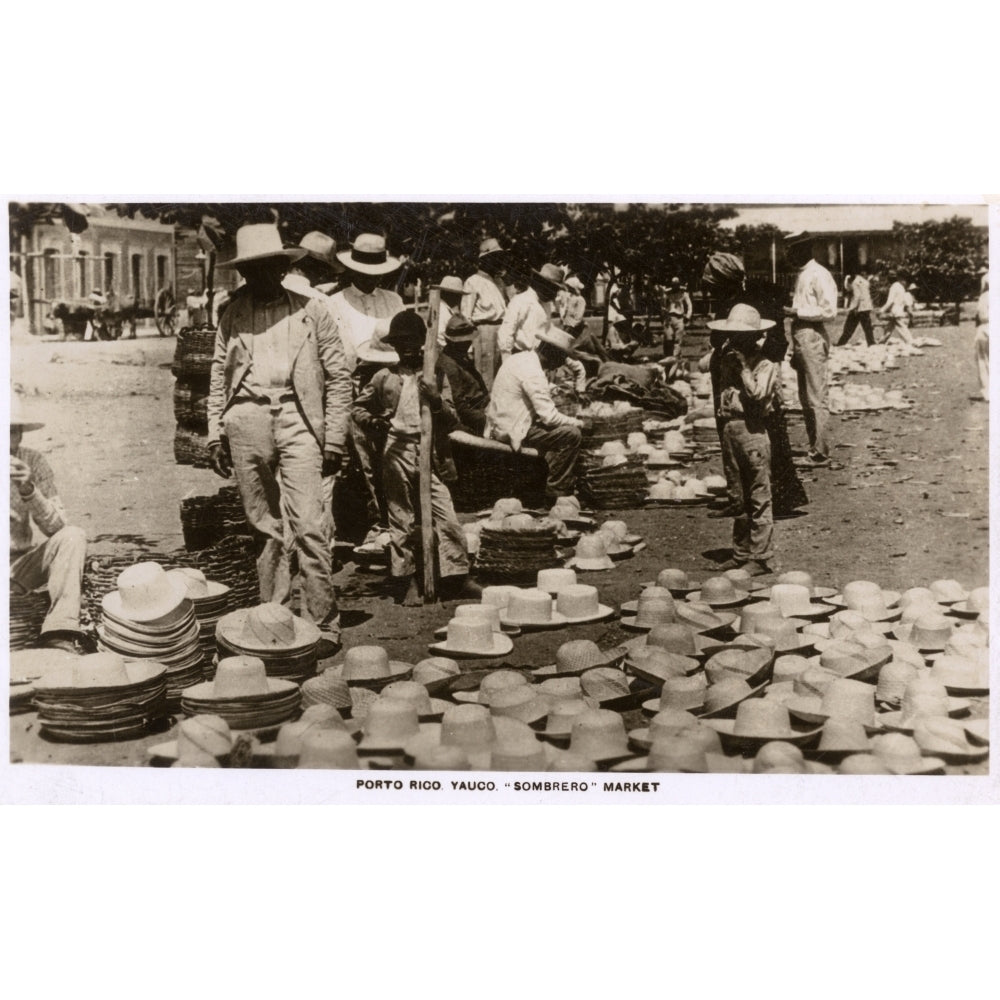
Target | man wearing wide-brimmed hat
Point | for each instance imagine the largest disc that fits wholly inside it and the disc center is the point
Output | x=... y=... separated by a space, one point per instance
x=392 y=399
x=315 y=274
x=529 y=313
x=522 y=412
x=575 y=309
x=814 y=303
x=57 y=563
x=278 y=406
x=452 y=292
x=678 y=307
x=364 y=309
x=468 y=389
x=748 y=385
x=484 y=303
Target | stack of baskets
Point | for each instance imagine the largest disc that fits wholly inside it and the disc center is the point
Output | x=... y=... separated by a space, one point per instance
x=611 y=487
x=27 y=613
x=609 y=422
x=192 y=368
x=516 y=556
x=207 y=519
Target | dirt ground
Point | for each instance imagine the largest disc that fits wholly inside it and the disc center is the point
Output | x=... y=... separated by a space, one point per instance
x=905 y=501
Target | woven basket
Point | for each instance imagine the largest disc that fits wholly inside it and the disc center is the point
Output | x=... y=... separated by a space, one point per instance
x=484 y=476
x=27 y=613
x=190 y=448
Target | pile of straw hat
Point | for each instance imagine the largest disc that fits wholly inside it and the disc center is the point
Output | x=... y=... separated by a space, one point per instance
x=285 y=643
x=210 y=601
x=243 y=695
x=149 y=617
x=100 y=697
x=27 y=613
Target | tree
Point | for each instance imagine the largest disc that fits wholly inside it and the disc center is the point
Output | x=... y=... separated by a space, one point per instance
x=942 y=258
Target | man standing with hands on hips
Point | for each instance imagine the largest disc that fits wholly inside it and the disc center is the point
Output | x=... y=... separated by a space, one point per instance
x=814 y=302
x=279 y=400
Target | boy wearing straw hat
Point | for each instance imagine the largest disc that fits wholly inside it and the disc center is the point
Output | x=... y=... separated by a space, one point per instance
x=748 y=383
x=484 y=304
x=391 y=401
x=279 y=400
x=57 y=563
x=452 y=292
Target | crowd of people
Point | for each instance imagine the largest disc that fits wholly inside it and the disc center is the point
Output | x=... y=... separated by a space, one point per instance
x=317 y=363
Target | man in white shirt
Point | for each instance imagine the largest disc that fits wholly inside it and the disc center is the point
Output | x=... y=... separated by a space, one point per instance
x=859 y=309
x=521 y=410
x=529 y=313
x=484 y=303
x=364 y=311
x=574 y=314
x=981 y=342
x=814 y=303
x=897 y=308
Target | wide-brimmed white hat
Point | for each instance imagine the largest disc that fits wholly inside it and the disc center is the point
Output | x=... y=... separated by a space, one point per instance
x=368 y=354
x=260 y=241
x=368 y=255
x=145 y=594
x=19 y=417
x=741 y=319
x=490 y=246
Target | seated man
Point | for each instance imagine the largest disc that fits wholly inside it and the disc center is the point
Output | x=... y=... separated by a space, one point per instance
x=521 y=410
x=56 y=564
x=468 y=390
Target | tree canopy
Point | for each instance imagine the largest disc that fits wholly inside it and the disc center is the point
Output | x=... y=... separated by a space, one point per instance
x=942 y=258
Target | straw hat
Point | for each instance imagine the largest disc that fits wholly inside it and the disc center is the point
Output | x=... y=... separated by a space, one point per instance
x=655 y=606
x=779 y=757
x=328 y=749
x=197 y=586
x=19 y=417
x=369 y=355
x=368 y=255
x=741 y=319
x=961 y=674
x=840 y=738
x=239 y=678
x=599 y=735
x=680 y=638
x=759 y=721
x=562 y=714
x=947 y=739
x=668 y=722
x=685 y=692
x=844 y=700
x=329 y=688
x=803 y=578
x=451 y=283
x=724 y=696
x=676 y=581
x=556 y=338
x=200 y=734
x=719 y=592
x=531 y=609
x=550 y=275
x=577 y=656
x=796 y=601
x=575 y=283
x=579 y=603
x=147 y=594
x=591 y=554
x=856 y=593
x=703 y=618
x=322 y=249
x=414 y=693
x=657 y=665
x=267 y=628
x=975 y=604
x=901 y=754
x=490 y=246
x=522 y=702
x=441 y=758
x=928 y=633
x=893 y=679
x=471 y=638
x=389 y=724
x=459 y=329
x=370 y=667
x=755 y=666
x=436 y=673
x=554 y=580
x=260 y=241
x=948 y=591
x=97 y=672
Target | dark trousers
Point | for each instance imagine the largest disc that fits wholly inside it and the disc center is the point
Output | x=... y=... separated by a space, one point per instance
x=864 y=317
x=559 y=446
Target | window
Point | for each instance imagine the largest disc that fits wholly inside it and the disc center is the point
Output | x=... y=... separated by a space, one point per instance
x=81 y=275
x=51 y=285
x=162 y=271
x=137 y=289
x=109 y=273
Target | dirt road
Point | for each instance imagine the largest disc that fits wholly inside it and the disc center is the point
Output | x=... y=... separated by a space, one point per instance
x=904 y=503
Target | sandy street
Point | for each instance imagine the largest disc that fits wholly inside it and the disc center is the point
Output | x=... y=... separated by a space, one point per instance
x=905 y=501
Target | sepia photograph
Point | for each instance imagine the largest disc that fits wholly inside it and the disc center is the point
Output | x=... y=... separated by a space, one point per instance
x=463 y=493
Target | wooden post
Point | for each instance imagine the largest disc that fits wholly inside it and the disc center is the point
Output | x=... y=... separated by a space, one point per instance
x=427 y=451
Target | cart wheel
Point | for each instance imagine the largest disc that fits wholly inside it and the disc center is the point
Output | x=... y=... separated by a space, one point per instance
x=165 y=312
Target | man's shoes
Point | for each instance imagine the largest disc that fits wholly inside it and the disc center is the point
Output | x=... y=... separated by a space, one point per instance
x=755 y=567
x=818 y=458
x=725 y=512
x=731 y=564
x=329 y=636
x=455 y=588
x=67 y=641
